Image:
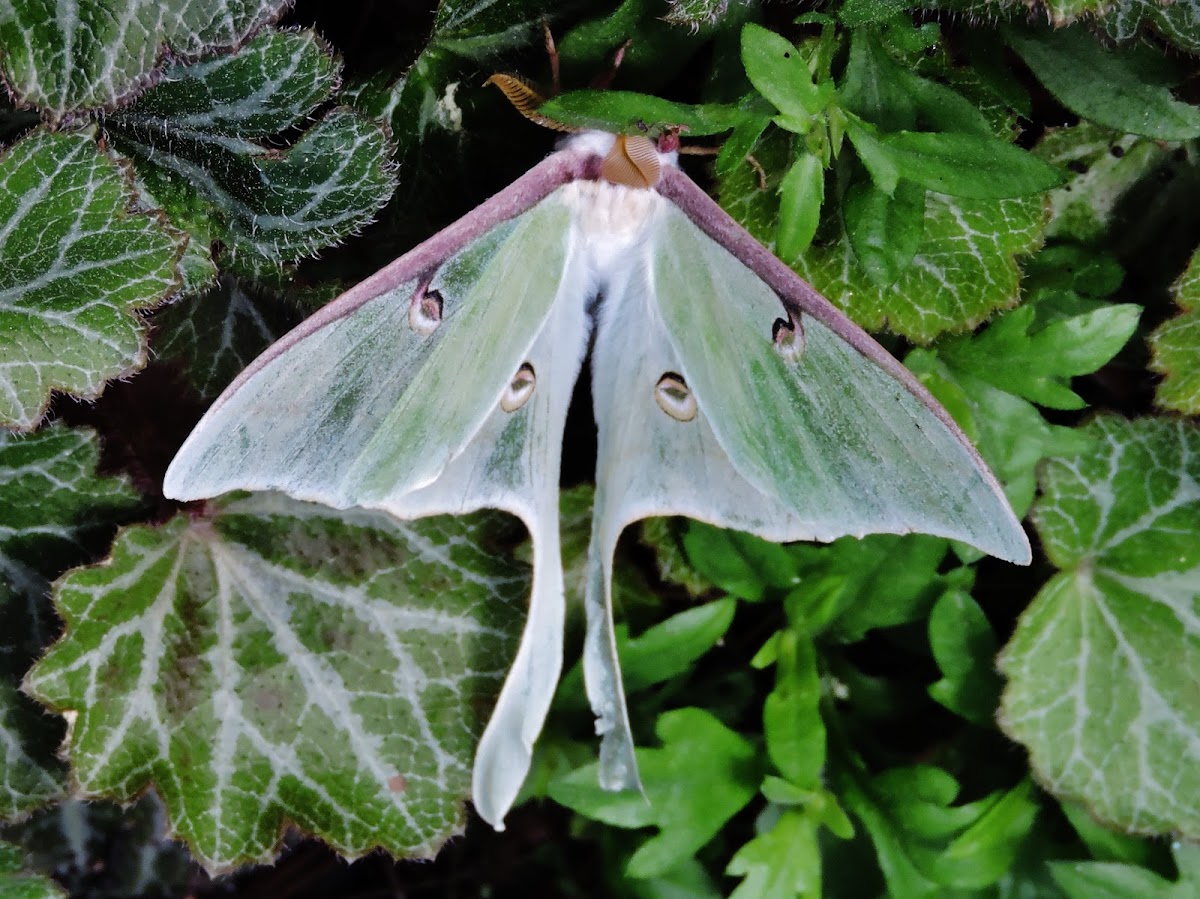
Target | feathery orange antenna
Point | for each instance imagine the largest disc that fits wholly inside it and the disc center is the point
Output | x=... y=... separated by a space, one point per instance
x=525 y=98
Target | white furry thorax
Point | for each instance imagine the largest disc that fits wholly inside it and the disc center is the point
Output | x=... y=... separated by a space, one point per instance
x=612 y=220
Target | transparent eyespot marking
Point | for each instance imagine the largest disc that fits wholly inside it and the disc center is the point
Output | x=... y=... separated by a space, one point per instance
x=674 y=397
x=519 y=389
x=788 y=336
x=425 y=313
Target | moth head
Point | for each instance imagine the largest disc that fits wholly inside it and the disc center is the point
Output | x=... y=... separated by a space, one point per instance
x=632 y=161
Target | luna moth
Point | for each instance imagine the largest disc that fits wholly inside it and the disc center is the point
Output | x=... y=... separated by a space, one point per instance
x=725 y=389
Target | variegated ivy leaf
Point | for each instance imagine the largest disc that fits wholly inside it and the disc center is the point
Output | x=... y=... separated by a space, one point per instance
x=53 y=509
x=269 y=661
x=1178 y=21
x=75 y=265
x=694 y=13
x=101 y=850
x=16 y=883
x=216 y=334
x=199 y=139
x=479 y=29
x=965 y=266
x=1104 y=165
x=65 y=57
x=1104 y=664
x=1176 y=347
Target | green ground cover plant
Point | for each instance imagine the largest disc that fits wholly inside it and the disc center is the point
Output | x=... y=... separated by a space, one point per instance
x=203 y=700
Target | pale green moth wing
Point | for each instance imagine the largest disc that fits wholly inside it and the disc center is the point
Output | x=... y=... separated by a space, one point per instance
x=734 y=394
x=439 y=385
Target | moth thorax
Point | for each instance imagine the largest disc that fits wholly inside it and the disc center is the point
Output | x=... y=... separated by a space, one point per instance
x=632 y=161
x=612 y=220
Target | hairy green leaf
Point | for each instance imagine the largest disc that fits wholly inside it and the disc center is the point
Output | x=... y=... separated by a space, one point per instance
x=216 y=333
x=75 y=265
x=275 y=661
x=198 y=139
x=53 y=509
x=1176 y=347
x=1110 y=88
x=65 y=57
x=1103 y=665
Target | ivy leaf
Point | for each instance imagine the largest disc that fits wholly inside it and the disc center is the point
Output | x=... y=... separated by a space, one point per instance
x=1035 y=360
x=703 y=774
x=198 y=138
x=273 y=661
x=75 y=840
x=1118 y=90
x=216 y=333
x=1103 y=665
x=1176 y=347
x=53 y=508
x=15 y=883
x=1104 y=166
x=1178 y=22
x=479 y=29
x=74 y=56
x=75 y=265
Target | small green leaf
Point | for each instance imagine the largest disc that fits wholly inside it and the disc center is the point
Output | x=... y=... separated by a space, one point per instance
x=873 y=155
x=1109 y=714
x=779 y=72
x=792 y=722
x=856 y=13
x=663 y=651
x=1107 y=880
x=274 y=661
x=1176 y=347
x=481 y=29
x=969 y=165
x=780 y=863
x=964 y=648
x=629 y=113
x=703 y=774
x=924 y=842
x=881 y=581
x=1108 y=87
x=75 y=266
x=872 y=88
x=800 y=197
x=1037 y=360
x=199 y=136
x=884 y=231
x=738 y=563
x=81 y=55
